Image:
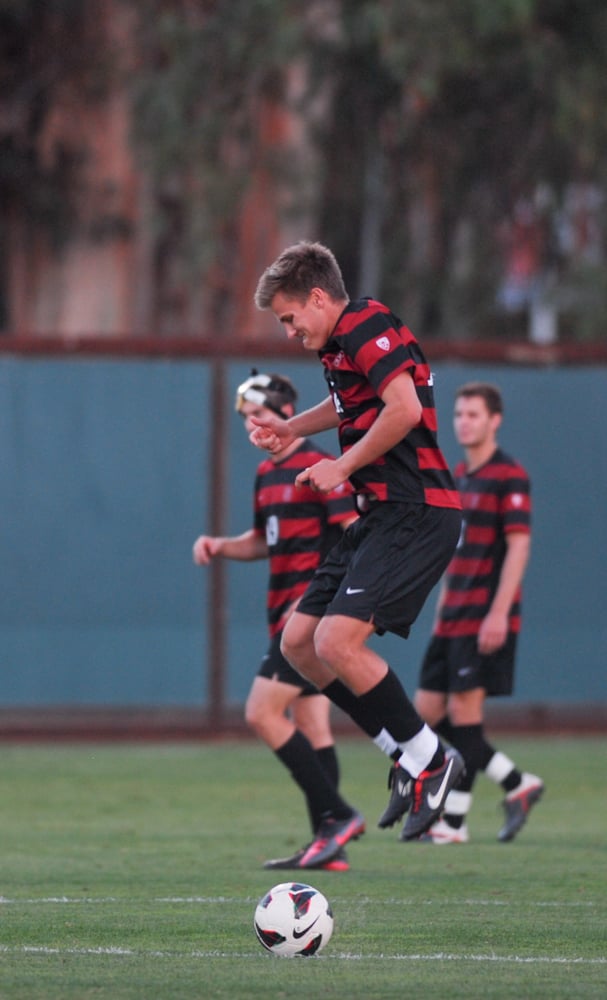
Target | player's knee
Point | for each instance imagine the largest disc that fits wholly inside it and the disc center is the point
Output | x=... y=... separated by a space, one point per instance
x=327 y=644
x=254 y=716
x=292 y=646
x=431 y=706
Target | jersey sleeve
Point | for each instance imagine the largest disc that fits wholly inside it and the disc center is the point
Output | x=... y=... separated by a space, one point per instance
x=515 y=501
x=378 y=344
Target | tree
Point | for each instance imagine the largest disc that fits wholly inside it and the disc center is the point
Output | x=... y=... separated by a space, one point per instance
x=406 y=134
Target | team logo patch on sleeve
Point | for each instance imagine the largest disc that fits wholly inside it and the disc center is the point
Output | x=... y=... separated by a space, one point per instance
x=383 y=343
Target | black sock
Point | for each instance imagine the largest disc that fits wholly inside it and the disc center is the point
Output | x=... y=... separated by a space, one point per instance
x=471 y=743
x=322 y=797
x=511 y=780
x=389 y=704
x=329 y=763
x=340 y=695
x=444 y=729
x=439 y=758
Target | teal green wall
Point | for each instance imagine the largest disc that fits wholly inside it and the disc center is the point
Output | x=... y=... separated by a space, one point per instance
x=101 y=494
x=105 y=486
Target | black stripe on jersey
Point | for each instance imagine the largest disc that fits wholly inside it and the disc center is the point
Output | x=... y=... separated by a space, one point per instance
x=384 y=366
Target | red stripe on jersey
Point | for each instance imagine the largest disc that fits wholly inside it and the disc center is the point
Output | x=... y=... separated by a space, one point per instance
x=461 y=598
x=386 y=381
x=299 y=562
x=523 y=527
x=453 y=630
x=278 y=597
x=431 y=458
x=304 y=528
x=361 y=423
x=366 y=357
x=502 y=470
x=480 y=501
x=442 y=498
x=470 y=567
x=350 y=320
x=379 y=490
x=429 y=418
x=479 y=536
x=516 y=503
x=280 y=494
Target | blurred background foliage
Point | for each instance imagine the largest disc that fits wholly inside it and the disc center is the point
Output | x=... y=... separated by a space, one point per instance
x=452 y=152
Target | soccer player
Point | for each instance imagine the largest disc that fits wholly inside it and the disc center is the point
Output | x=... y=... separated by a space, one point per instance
x=472 y=650
x=293 y=527
x=376 y=579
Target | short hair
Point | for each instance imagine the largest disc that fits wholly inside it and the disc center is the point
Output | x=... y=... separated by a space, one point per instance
x=490 y=393
x=298 y=270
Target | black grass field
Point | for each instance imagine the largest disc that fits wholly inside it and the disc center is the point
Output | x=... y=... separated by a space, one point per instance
x=133 y=871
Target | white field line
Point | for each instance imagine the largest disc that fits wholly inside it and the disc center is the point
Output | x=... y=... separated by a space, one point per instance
x=340 y=956
x=214 y=900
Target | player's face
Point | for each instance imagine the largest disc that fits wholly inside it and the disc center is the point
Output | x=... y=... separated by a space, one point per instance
x=248 y=410
x=474 y=426
x=306 y=321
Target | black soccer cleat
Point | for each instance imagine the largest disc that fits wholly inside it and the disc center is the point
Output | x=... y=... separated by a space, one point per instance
x=401 y=795
x=430 y=789
x=339 y=863
x=332 y=835
x=517 y=804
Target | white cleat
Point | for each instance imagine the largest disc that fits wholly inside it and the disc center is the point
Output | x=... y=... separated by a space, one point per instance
x=441 y=833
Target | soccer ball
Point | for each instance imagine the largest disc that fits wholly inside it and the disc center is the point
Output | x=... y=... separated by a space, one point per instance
x=293 y=919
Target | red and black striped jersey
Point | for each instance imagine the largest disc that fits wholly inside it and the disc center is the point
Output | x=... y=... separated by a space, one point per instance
x=497 y=500
x=368 y=348
x=299 y=524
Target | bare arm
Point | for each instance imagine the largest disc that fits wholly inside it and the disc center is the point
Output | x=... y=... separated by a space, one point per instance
x=494 y=627
x=245 y=547
x=401 y=412
x=273 y=434
x=322 y=417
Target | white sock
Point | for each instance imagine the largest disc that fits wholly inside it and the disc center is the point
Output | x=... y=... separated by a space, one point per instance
x=457 y=803
x=386 y=743
x=419 y=751
x=499 y=767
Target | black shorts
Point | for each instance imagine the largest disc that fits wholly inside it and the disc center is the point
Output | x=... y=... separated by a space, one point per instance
x=276 y=668
x=453 y=665
x=385 y=565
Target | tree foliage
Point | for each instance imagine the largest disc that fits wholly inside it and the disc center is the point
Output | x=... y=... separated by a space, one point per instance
x=463 y=106
x=203 y=70
x=430 y=121
x=46 y=50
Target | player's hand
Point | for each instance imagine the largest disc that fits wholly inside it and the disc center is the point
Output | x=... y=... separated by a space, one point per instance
x=204 y=549
x=324 y=476
x=270 y=433
x=492 y=633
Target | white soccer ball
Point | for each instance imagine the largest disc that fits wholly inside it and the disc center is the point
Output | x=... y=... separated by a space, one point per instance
x=293 y=919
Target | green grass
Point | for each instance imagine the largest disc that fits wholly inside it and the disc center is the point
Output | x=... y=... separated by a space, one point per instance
x=133 y=872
